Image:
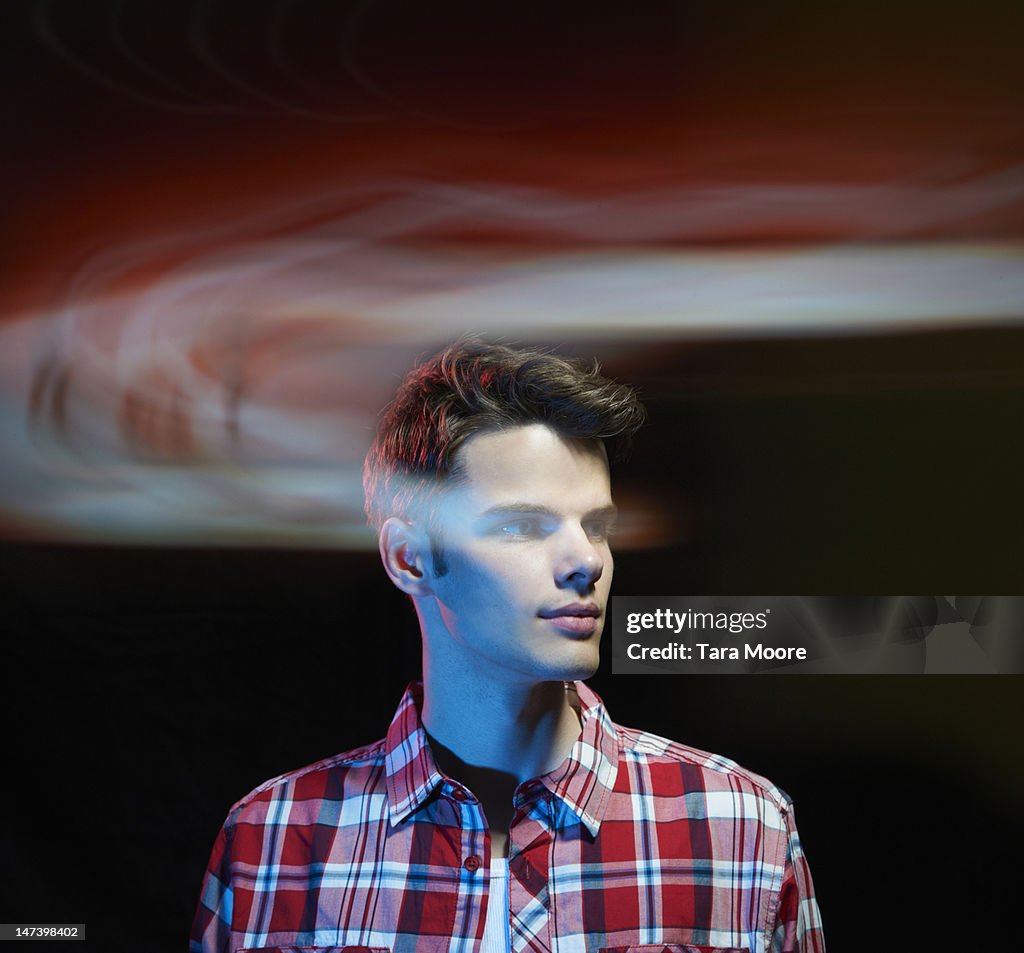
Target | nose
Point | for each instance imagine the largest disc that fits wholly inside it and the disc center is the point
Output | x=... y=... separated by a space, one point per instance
x=580 y=563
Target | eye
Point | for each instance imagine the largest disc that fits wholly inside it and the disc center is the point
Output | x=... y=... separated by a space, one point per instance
x=599 y=529
x=522 y=526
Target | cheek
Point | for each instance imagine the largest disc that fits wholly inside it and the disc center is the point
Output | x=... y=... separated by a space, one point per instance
x=478 y=580
x=606 y=574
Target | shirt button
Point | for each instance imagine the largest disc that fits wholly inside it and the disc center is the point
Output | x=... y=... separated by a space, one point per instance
x=459 y=794
x=472 y=862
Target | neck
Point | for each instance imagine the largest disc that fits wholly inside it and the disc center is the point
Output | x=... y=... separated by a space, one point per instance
x=521 y=730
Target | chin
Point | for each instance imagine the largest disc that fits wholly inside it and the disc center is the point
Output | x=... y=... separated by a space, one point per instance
x=580 y=668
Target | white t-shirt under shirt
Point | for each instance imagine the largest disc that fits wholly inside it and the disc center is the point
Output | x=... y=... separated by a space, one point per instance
x=497 y=938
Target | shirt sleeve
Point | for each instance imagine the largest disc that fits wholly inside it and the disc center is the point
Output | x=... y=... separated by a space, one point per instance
x=211 y=928
x=798 y=920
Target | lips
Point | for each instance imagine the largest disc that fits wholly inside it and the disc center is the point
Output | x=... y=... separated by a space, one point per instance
x=579 y=618
x=576 y=610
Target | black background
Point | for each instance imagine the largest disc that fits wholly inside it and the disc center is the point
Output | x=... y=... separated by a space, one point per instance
x=145 y=690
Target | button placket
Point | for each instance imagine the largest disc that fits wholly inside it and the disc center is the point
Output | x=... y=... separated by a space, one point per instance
x=469 y=810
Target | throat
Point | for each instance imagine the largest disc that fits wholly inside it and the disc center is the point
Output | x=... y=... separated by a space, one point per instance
x=499 y=843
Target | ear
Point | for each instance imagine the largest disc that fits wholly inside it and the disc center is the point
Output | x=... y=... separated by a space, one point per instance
x=405 y=551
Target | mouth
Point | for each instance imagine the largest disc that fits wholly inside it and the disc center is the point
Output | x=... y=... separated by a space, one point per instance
x=579 y=618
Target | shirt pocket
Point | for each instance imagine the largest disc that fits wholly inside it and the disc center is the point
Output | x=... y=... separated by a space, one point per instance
x=673 y=948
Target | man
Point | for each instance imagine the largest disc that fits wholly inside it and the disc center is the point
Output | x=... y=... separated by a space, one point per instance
x=504 y=810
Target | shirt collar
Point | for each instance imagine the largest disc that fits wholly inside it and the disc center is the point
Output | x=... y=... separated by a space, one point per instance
x=412 y=774
x=583 y=782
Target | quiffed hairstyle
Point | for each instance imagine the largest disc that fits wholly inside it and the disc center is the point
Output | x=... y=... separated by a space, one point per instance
x=472 y=387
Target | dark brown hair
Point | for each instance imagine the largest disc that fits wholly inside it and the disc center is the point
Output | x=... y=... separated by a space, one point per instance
x=470 y=387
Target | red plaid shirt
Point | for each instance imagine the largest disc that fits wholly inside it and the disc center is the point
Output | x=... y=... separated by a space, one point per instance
x=633 y=843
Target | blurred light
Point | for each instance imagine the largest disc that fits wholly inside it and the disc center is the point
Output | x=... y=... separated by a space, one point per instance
x=221 y=384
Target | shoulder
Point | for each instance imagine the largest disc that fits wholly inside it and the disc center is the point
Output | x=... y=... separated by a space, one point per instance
x=670 y=765
x=360 y=770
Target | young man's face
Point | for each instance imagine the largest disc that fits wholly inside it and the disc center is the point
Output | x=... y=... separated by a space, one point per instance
x=529 y=568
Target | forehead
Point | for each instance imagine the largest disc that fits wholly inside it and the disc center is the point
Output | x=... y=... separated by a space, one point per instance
x=533 y=464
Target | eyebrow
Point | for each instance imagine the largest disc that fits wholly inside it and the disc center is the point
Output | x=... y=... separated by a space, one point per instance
x=504 y=509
